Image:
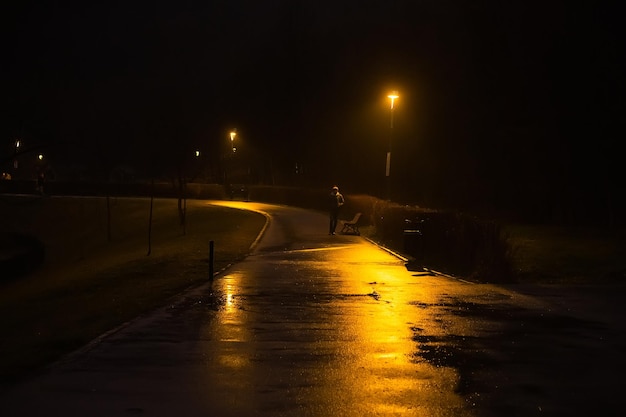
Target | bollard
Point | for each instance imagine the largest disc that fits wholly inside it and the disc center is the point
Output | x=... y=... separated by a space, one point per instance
x=211 y=252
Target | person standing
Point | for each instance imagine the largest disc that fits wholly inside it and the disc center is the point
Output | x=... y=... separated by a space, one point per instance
x=335 y=201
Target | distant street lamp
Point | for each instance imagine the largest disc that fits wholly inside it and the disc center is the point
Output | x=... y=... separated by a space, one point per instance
x=233 y=133
x=392 y=96
x=17 y=151
x=229 y=156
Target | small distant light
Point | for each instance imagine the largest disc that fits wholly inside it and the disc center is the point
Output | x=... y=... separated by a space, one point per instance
x=197 y=153
x=40 y=156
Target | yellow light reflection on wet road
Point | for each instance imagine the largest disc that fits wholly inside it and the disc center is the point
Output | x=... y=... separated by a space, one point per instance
x=324 y=329
x=379 y=330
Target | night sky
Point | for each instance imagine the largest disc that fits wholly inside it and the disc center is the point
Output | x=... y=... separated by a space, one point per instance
x=515 y=104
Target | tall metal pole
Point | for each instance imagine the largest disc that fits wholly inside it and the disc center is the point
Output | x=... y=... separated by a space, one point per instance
x=388 y=164
x=392 y=96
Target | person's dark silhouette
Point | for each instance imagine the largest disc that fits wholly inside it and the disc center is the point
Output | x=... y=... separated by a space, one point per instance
x=335 y=201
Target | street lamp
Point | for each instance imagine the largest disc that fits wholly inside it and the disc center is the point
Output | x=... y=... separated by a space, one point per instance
x=233 y=133
x=229 y=156
x=17 y=151
x=392 y=97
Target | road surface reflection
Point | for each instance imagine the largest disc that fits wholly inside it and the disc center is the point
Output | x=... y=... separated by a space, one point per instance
x=324 y=327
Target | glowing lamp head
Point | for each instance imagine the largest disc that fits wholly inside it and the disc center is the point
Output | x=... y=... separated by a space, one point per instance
x=393 y=96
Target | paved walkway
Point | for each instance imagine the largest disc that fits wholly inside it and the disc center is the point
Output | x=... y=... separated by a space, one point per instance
x=318 y=325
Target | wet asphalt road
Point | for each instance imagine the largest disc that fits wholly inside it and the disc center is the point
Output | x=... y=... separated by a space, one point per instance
x=318 y=325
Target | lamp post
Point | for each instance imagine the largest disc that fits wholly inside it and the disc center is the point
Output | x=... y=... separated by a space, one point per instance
x=392 y=97
x=17 y=151
x=233 y=133
x=228 y=157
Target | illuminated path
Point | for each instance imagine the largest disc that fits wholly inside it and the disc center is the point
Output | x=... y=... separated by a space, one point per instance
x=318 y=325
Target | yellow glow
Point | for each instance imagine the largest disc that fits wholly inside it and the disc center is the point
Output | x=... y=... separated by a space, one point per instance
x=232 y=135
x=230 y=302
x=233 y=360
x=197 y=153
x=229 y=292
x=40 y=156
x=393 y=96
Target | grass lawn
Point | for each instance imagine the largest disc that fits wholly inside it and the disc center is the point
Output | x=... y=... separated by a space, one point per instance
x=91 y=283
x=559 y=255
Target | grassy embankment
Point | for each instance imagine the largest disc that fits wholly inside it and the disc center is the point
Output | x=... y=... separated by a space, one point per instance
x=567 y=256
x=90 y=284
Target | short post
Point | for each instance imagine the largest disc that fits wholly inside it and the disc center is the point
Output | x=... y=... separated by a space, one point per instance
x=211 y=253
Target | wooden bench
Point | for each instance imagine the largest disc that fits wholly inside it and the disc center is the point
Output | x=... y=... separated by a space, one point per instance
x=352 y=227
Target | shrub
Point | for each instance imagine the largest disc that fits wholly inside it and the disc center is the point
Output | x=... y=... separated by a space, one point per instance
x=24 y=253
x=451 y=242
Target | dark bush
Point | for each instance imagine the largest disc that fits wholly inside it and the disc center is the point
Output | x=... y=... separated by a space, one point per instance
x=21 y=254
x=451 y=242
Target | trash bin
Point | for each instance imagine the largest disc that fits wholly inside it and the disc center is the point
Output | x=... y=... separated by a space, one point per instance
x=413 y=242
